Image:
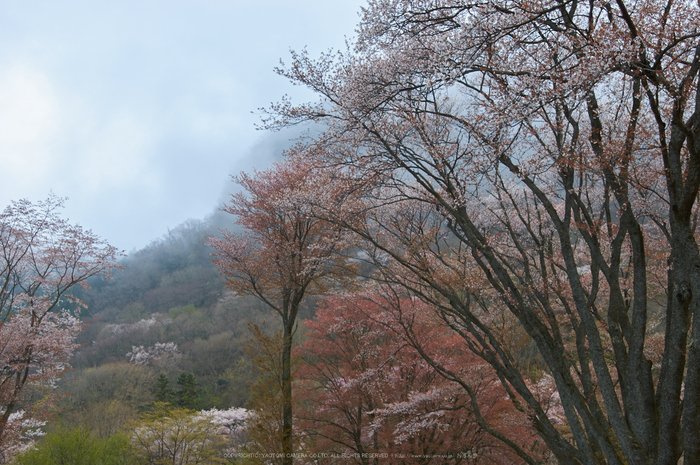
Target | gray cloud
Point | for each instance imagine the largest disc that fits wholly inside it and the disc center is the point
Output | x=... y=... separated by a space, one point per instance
x=139 y=111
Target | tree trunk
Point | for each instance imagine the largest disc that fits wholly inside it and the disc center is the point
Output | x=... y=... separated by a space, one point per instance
x=287 y=446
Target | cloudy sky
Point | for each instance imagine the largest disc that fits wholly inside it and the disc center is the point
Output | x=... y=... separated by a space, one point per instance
x=139 y=111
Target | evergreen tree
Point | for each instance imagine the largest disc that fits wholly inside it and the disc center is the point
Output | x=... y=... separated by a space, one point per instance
x=188 y=395
x=163 y=391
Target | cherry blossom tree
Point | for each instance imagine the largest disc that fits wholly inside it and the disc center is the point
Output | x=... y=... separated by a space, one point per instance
x=182 y=437
x=43 y=258
x=232 y=424
x=285 y=253
x=371 y=390
x=549 y=150
x=161 y=355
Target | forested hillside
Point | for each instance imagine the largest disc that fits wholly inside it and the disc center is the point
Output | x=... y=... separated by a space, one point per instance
x=166 y=312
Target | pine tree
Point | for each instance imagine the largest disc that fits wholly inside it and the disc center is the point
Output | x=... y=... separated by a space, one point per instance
x=188 y=395
x=163 y=391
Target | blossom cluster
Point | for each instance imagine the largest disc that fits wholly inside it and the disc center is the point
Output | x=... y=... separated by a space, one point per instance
x=160 y=354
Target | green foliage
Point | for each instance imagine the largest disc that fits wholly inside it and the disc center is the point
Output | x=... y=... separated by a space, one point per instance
x=163 y=391
x=78 y=446
x=188 y=396
x=220 y=366
x=187 y=310
x=107 y=397
x=188 y=323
